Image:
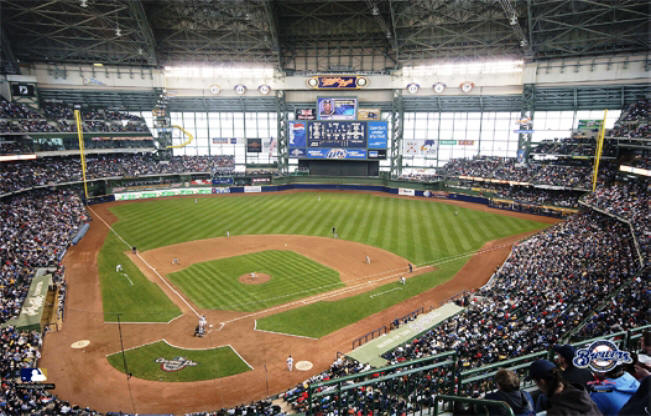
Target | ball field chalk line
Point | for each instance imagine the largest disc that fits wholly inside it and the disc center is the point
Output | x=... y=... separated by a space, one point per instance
x=169 y=286
x=127 y=276
x=386 y=291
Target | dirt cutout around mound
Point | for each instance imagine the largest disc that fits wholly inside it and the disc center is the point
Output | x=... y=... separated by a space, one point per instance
x=254 y=278
x=83 y=376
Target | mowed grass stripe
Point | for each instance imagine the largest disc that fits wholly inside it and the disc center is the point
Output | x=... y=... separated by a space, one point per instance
x=215 y=284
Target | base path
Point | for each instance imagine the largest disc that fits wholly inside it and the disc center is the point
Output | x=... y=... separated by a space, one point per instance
x=84 y=377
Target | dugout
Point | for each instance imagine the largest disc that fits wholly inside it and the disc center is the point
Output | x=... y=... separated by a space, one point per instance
x=340 y=167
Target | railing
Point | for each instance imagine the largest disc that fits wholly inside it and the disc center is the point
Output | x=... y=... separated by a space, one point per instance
x=408 y=317
x=475 y=403
x=369 y=336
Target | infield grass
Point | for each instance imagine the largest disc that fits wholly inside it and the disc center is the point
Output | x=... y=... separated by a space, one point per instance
x=215 y=285
x=210 y=364
x=308 y=320
x=423 y=231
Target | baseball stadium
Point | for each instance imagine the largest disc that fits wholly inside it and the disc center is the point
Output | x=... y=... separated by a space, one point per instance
x=275 y=207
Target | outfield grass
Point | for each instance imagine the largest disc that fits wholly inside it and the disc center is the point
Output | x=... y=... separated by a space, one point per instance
x=423 y=231
x=419 y=230
x=211 y=363
x=133 y=296
x=308 y=320
x=215 y=285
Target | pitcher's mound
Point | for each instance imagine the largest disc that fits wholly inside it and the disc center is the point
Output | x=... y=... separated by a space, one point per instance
x=254 y=278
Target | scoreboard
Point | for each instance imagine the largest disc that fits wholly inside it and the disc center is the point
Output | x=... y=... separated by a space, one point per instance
x=327 y=139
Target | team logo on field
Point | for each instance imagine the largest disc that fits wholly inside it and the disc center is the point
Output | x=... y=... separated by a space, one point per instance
x=176 y=364
x=601 y=356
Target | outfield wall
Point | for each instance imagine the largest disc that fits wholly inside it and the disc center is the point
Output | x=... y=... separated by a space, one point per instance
x=137 y=195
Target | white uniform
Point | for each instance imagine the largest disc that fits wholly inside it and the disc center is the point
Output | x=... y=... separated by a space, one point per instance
x=290 y=363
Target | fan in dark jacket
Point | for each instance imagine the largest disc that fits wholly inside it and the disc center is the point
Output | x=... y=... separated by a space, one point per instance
x=572 y=374
x=508 y=390
x=563 y=398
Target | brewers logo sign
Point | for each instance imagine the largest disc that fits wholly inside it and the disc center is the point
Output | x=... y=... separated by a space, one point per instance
x=601 y=356
x=337 y=82
x=176 y=364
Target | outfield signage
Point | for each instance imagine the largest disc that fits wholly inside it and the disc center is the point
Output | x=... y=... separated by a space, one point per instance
x=334 y=153
x=251 y=189
x=129 y=196
x=406 y=192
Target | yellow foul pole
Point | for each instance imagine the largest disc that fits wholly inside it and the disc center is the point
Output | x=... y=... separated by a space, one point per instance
x=80 y=135
x=599 y=149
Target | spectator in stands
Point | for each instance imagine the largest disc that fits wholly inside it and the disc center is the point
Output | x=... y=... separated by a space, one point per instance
x=562 y=398
x=508 y=390
x=638 y=404
x=612 y=391
x=573 y=375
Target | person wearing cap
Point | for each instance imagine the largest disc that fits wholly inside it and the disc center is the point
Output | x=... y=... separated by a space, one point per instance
x=573 y=375
x=508 y=390
x=563 y=398
x=612 y=393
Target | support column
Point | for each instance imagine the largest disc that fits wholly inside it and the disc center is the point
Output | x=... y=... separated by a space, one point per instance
x=397 y=131
x=282 y=131
x=526 y=112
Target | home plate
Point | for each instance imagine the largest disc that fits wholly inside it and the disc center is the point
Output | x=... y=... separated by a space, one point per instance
x=80 y=344
x=303 y=365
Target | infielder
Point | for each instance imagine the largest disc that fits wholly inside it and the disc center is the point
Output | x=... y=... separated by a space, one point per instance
x=118 y=268
x=403 y=281
x=290 y=362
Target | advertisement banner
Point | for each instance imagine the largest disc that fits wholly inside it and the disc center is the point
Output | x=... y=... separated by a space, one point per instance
x=254 y=145
x=336 y=82
x=410 y=148
x=222 y=180
x=466 y=142
x=297 y=152
x=297 y=134
x=261 y=180
x=419 y=148
x=223 y=190
x=336 y=153
x=448 y=142
x=201 y=182
x=406 y=192
x=377 y=134
x=252 y=189
x=224 y=140
x=336 y=134
x=130 y=196
x=377 y=154
x=368 y=114
x=305 y=114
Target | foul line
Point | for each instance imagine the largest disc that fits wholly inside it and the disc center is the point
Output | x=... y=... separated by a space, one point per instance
x=147 y=264
x=255 y=328
x=386 y=291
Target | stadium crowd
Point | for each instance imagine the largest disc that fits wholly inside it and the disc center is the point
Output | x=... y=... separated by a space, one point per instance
x=633 y=122
x=57 y=117
x=630 y=201
x=27 y=174
x=565 y=174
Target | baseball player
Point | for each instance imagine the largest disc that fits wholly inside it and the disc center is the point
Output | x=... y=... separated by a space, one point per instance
x=368 y=260
x=228 y=235
x=118 y=268
x=411 y=268
x=290 y=363
x=403 y=281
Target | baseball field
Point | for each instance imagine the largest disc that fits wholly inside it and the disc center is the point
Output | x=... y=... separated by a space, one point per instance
x=422 y=232
x=271 y=279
